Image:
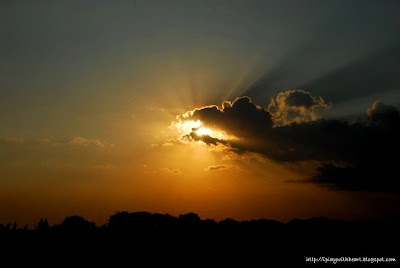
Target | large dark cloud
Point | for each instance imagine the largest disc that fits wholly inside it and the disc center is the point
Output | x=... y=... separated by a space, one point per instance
x=353 y=156
x=241 y=117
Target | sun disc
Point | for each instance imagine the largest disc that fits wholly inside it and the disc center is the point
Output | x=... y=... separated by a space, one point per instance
x=204 y=131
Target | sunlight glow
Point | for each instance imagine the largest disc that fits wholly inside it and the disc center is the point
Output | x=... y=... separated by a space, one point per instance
x=204 y=131
x=185 y=127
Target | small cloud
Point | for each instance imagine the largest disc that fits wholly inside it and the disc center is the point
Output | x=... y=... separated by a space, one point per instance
x=51 y=142
x=80 y=141
x=167 y=144
x=229 y=156
x=174 y=171
x=216 y=167
x=86 y=142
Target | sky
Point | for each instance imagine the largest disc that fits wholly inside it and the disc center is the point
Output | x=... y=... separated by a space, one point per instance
x=239 y=109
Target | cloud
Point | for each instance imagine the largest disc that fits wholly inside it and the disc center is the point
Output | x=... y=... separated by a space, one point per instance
x=295 y=106
x=216 y=167
x=207 y=139
x=174 y=171
x=367 y=148
x=161 y=171
x=165 y=144
x=384 y=115
x=241 y=118
x=86 y=142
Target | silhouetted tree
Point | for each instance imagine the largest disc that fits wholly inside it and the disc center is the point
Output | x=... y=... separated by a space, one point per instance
x=77 y=224
x=42 y=225
x=189 y=218
x=134 y=222
x=229 y=222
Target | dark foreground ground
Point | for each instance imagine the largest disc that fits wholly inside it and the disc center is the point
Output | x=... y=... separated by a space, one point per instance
x=143 y=239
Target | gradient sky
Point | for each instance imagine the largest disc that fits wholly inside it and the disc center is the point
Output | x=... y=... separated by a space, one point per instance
x=92 y=93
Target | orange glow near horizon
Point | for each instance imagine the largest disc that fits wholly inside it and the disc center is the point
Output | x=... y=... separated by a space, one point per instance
x=172 y=177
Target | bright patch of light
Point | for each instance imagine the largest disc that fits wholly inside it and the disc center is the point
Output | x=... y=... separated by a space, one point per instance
x=204 y=131
x=187 y=127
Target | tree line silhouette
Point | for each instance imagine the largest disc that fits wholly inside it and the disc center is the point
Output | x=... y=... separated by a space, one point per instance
x=160 y=232
x=142 y=222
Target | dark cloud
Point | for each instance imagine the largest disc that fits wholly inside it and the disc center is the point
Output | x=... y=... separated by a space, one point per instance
x=352 y=156
x=376 y=178
x=295 y=106
x=216 y=167
x=384 y=115
x=204 y=138
x=241 y=118
x=300 y=98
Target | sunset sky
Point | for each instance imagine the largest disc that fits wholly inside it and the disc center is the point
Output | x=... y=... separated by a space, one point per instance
x=240 y=109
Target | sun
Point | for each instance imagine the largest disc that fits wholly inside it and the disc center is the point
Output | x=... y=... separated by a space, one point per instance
x=204 y=131
x=186 y=127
